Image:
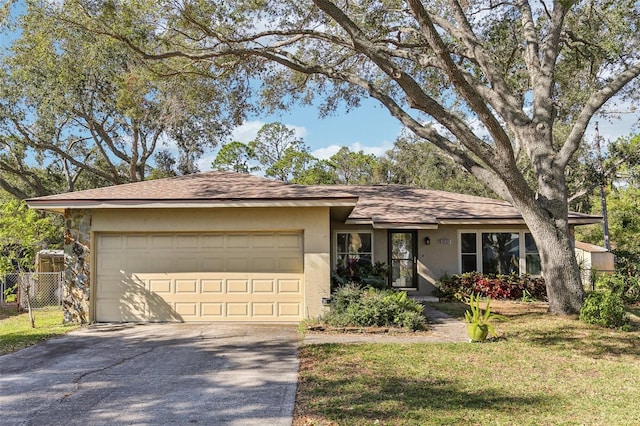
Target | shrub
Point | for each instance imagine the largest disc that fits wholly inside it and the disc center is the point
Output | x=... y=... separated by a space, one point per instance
x=364 y=274
x=352 y=305
x=628 y=287
x=604 y=308
x=511 y=286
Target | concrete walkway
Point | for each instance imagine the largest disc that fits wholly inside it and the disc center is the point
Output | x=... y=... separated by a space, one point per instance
x=442 y=329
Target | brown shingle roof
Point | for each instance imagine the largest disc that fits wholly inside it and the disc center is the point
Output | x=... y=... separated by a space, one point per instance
x=199 y=186
x=591 y=248
x=403 y=204
x=381 y=205
x=400 y=204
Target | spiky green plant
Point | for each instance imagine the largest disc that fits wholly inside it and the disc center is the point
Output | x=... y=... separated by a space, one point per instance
x=479 y=318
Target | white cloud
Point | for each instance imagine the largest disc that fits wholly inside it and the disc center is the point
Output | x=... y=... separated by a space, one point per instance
x=612 y=128
x=248 y=131
x=326 y=152
x=204 y=163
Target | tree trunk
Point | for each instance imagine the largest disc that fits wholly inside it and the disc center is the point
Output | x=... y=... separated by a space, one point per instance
x=559 y=265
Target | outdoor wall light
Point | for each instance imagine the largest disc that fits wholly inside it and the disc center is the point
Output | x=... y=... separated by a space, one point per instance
x=427 y=240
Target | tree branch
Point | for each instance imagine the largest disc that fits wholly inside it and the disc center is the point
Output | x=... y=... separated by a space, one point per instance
x=593 y=104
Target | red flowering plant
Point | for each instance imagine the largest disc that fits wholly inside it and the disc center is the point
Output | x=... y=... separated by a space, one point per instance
x=512 y=286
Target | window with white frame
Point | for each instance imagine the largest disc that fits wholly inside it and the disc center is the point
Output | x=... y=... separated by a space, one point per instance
x=353 y=248
x=532 y=257
x=498 y=252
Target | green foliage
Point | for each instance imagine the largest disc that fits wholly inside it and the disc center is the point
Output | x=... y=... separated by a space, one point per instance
x=235 y=157
x=316 y=172
x=23 y=232
x=362 y=274
x=605 y=308
x=512 y=286
x=628 y=287
x=621 y=176
x=79 y=110
x=478 y=318
x=352 y=305
x=353 y=168
x=417 y=163
x=278 y=151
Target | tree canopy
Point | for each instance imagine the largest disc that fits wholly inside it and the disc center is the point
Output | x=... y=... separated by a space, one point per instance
x=415 y=162
x=85 y=111
x=22 y=233
x=505 y=89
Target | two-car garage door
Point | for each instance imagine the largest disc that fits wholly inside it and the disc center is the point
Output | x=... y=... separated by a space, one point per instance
x=200 y=277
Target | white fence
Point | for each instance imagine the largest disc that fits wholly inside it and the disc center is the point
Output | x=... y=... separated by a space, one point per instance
x=42 y=288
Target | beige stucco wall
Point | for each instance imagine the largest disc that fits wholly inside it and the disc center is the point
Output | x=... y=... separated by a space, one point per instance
x=442 y=255
x=434 y=260
x=312 y=221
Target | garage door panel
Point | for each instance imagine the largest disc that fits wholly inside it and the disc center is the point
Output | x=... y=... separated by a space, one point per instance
x=160 y=285
x=290 y=264
x=211 y=264
x=209 y=277
x=136 y=242
x=237 y=310
x=212 y=286
x=187 y=241
x=110 y=242
x=212 y=241
x=238 y=241
x=161 y=241
x=212 y=311
x=187 y=286
x=263 y=309
x=266 y=264
x=238 y=263
x=189 y=309
x=109 y=266
x=238 y=286
x=291 y=286
x=292 y=310
x=290 y=241
x=264 y=286
x=135 y=262
x=185 y=263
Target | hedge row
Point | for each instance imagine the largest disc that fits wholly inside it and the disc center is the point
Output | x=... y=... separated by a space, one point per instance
x=511 y=286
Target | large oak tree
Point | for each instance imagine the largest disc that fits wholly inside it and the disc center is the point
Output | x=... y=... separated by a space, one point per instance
x=493 y=84
x=79 y=110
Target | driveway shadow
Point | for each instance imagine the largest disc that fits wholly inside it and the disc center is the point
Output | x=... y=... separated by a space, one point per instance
x=155 y=374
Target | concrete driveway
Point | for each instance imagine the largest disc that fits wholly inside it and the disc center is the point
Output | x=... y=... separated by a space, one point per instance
x=213 y=374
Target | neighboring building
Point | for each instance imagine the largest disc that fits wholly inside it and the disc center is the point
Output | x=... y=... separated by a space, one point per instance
x=593 y=260
x=224 y=246
x=50 y=261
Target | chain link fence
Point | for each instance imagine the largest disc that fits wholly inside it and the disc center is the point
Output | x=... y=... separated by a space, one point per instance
x=41 y=288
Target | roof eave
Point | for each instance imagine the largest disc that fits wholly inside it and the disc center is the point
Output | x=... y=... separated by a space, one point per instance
x=59 y=206
x=390 y=225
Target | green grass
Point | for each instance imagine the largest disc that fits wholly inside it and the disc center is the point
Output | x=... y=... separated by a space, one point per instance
x=16 y=332
x=543 y=369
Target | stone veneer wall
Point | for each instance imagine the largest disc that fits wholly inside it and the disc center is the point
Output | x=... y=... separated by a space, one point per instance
x=77 y=259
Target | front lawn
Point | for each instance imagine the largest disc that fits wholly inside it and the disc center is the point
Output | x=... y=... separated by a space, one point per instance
x=16 y=332
x=542 y=369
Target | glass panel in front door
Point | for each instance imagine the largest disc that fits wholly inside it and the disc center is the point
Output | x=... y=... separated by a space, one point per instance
x=403 y=259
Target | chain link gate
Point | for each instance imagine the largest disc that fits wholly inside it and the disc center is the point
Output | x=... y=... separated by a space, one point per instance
x=42 y=288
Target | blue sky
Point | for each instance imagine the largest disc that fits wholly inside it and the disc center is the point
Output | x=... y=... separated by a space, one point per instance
x=369 y=128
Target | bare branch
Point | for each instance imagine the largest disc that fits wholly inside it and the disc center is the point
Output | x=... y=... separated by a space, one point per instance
x=594 y=103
